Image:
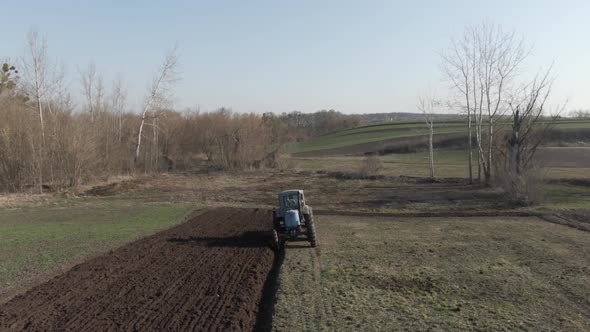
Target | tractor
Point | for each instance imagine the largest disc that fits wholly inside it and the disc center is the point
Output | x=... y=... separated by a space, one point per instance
x=293 y=219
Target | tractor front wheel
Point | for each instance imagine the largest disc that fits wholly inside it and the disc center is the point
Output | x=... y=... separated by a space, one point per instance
x=311 y=235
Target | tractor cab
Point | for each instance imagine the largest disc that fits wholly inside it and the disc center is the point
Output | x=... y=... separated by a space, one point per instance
x=291 y=200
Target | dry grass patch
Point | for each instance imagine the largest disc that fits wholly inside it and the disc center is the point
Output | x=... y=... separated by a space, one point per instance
x=437 y=273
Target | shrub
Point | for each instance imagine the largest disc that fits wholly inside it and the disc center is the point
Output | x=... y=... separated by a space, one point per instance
x=371 y=166
x=525 y=188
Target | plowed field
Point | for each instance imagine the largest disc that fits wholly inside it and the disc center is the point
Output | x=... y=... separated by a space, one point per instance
x=205 y=274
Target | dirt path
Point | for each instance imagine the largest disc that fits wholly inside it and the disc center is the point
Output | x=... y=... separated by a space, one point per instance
x=206 y=274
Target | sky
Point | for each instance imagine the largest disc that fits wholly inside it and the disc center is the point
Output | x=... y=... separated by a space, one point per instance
x=280 y=56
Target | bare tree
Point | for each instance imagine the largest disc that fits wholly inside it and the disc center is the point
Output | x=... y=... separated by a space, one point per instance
x=529 y=128
x=36 y=75
x=87 y=79
x=458 y=68
x=581 y=113
x=35 y=64
x=428 y=106
x=93 y=89
x=118 y=104
x=481 y=68
x=158 y=92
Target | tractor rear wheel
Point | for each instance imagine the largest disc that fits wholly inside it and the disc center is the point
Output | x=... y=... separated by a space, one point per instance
x=276 y=240
x=311 y=235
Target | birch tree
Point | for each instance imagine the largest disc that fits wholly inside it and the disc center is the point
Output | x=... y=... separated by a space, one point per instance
x=35 y=65
x=36 y=78
x=158 y=92
x=428 y=106
x=481 y=67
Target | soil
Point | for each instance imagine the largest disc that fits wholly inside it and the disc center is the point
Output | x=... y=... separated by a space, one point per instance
x=576 y=218
x=563 y=157
x=206 y=274
x=393 y=145
x=112 y=189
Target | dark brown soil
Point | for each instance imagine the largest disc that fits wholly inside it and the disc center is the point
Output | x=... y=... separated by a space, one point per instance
x=112 y=189
x=206 y=274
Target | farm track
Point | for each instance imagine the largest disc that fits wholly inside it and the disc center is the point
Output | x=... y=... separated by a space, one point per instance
x=205 y=274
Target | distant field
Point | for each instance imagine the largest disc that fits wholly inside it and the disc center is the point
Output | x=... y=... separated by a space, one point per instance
x=558 y=163
x=561 y=191
x=382 y=134
x=376 y=133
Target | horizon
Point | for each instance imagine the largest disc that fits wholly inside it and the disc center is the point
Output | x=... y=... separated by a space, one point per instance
x=353 y=58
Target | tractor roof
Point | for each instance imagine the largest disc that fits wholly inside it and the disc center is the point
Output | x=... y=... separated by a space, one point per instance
x=291 y=191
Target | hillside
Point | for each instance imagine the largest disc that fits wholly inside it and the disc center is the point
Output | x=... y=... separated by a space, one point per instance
x=403 y=116
x=408 y=134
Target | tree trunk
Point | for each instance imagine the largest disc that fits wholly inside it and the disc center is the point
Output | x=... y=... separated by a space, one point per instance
x=138 y=146
x=514 y=156
x=480 y=156
x=469 y=145
x=143 y=117
x=120 y=126
x=478 y=168
x=431 y=150
x=41 y=147
x=488 y=171
x=155 y=166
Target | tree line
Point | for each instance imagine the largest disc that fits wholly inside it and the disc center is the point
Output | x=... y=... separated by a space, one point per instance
x=48 y=142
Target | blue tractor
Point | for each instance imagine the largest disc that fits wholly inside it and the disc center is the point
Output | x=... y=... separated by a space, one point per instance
x=293 y=219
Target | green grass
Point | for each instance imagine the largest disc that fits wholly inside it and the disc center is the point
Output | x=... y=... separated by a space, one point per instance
x=38 y=241
x=402 y=129
x=560 y=196
x=572 y=123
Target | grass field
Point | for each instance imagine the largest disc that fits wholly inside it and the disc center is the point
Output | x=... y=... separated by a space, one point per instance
x=391 y=130
x=39 y=241
x=447 y=274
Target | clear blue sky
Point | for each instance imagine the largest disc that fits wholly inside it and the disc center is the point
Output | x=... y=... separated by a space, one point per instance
x=353 y=56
